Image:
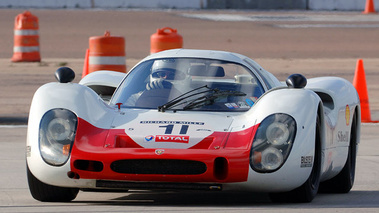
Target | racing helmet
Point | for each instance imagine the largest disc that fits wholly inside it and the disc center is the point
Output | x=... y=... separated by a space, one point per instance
x=170 y=70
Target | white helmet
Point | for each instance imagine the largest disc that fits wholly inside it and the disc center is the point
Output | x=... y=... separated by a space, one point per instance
x=173 y=71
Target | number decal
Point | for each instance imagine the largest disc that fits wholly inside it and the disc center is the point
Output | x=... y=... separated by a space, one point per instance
x=184 y=129
x=169 y=129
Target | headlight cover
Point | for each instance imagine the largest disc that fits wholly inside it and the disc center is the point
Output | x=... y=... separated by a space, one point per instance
x=56 y=136
x=272 y=143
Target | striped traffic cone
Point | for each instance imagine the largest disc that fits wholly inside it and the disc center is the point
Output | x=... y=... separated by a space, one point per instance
x=26 y=38
x=106 y=53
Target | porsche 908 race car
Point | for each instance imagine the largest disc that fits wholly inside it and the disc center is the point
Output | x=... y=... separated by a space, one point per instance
x=193 y=120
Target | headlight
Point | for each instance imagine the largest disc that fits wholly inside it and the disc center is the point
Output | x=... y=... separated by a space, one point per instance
x=272 y=143
x=57 y=134
x=277 y=133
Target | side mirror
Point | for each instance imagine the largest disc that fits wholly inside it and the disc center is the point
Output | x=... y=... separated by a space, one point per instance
x=64 y=75
x=296 y=81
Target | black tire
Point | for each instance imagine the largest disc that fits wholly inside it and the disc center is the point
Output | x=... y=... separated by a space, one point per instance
x=306 y=192
x=48 y=193
x=344 y=181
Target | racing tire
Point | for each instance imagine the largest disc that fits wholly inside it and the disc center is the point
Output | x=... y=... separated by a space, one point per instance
x=48 y=193
x=306 y=192
x=344 y=181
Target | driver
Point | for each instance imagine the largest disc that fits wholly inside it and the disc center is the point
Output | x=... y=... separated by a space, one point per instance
x=166 y=73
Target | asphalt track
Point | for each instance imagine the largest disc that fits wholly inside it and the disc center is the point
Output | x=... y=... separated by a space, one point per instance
x=311 y=43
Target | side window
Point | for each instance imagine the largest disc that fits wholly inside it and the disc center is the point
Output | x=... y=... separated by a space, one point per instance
x=269 y=80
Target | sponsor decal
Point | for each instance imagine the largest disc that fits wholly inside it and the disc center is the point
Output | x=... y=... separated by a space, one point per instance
x=347 y=115
x=234 y=105
x=172 y=122
x=28 y=151
x=149 y=138
x=249 y=101
x=343 y=136
x=159 y=151
x=306 y=161
x=229 y=105
x=172 y=138
x=254 y=98
x=243 y=105
x=203 y=130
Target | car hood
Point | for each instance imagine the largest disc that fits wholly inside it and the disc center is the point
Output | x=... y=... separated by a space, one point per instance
x=177 y=130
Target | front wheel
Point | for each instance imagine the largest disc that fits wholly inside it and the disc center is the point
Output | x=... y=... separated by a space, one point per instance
x=48 y=193
x=306 y=192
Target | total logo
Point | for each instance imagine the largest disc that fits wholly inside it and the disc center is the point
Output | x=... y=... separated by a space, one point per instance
x=149 y=138
x=168 y=138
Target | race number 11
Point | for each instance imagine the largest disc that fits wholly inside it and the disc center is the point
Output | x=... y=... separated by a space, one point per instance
x=169 y=129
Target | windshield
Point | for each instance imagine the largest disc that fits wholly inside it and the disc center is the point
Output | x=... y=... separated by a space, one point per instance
x=189 y=84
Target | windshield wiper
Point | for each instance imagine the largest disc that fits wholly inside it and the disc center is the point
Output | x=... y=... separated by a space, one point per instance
x=178 y=100
x=210 y=98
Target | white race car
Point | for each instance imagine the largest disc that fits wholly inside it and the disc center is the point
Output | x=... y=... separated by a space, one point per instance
x=193 y=120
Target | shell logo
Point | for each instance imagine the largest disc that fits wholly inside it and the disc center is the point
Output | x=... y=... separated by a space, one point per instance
x=347 y=115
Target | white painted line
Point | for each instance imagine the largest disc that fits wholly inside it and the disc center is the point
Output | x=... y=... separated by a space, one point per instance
x=13 y=126
x=327 y=25
x=290 y=17
x=370 y=124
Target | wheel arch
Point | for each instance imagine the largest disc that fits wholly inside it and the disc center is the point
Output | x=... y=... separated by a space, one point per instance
x=357 y=115
x=321 y=119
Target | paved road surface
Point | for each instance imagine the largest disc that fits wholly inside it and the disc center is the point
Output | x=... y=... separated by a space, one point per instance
x=312 y=43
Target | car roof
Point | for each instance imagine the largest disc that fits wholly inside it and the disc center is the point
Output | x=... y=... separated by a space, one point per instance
x=190 y=53
x=264 y=76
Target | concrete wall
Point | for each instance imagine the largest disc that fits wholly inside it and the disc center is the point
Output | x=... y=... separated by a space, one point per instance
x=340 y=4
x=343 y=5
x=109 y=4
x=257 y=4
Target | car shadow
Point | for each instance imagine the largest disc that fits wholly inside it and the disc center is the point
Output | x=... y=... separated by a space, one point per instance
x=354 y=199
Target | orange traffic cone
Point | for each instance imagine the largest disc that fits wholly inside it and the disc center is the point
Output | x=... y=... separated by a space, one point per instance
x=370 y=8
x=360 y=85
x=85 y=66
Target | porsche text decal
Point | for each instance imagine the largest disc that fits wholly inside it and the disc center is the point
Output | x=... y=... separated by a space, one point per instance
x=306 y=161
